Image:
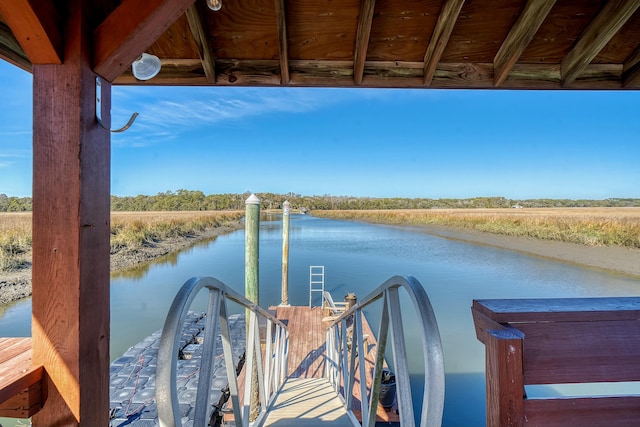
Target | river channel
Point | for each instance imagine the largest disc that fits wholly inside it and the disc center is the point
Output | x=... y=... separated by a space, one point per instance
x=357 y=258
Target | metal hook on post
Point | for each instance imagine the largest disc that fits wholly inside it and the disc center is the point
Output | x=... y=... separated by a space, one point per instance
x=99 y=110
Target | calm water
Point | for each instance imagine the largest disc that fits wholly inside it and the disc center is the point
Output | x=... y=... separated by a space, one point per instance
x=357 y=258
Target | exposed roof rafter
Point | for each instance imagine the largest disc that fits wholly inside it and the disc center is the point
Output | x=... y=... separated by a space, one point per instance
x=595 y=37
x=10 y=49
x=521 y=34
x=36 y=26
x=631 y=70
x=362 y=39
x=281 y=21
x=440 y=37
x=130 y=29
x=198 y=29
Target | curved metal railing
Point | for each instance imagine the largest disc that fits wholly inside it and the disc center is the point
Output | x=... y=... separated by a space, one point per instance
x=271 y=372
x=342 y=354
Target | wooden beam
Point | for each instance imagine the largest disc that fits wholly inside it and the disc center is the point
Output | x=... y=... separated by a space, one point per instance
x=596 y=36
x=201 y=37
x=130 y=29
x=440 y=37
x=71 y=231
x=281 y=22
x=362 y=39
x=10 y=49
x=521 y=34
x=631 y=71
x=36 y=25
x=387 y=74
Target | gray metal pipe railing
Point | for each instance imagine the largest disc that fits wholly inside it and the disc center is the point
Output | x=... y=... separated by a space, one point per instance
x=341 y=355
x=271 y=372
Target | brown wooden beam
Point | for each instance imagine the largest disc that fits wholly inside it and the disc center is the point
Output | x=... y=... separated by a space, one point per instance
x=201 y=37
x=130 y=29
x=631 y=70
x=36 y=25
x=521 y=34
x=596 y=36
x=362 y=39
x=440 y=37
x=71 y=231
x=386 y=74
x=281 y=22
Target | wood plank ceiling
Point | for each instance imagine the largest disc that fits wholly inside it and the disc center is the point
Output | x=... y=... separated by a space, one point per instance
x=510 y=44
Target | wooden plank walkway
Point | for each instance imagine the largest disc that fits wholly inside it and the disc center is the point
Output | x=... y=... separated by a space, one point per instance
x=20 y=381
x=307 y=355
x=308 y=402
x=307 y=336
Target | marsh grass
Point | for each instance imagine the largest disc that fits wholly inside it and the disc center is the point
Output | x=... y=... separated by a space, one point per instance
x=586 y=226
x=135 y=229
x=15 y=239
x=129 y=230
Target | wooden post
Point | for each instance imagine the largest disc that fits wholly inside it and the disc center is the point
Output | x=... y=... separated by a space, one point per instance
x=286 y=210
x=71 y=231
x=251 y=283
x=251 y=228
x=505 y=383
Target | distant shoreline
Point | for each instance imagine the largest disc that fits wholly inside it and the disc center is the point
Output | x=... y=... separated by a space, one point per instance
x=610 y=258
x=16 y=285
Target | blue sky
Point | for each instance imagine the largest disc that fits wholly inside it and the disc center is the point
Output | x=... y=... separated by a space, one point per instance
x=359 y=142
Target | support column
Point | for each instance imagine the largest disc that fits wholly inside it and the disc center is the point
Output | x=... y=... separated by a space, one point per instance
x=71 y=231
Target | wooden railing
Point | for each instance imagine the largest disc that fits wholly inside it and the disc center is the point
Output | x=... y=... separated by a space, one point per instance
x=21 y=393
x=271 y=364
x=342 y=352
x=559 y=341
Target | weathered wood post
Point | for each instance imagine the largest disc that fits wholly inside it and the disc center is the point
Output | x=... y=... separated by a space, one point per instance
x=251 y=283
x=286 y=210
x=251 y=226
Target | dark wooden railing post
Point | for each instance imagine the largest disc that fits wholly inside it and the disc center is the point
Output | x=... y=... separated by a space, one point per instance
x=505 y=387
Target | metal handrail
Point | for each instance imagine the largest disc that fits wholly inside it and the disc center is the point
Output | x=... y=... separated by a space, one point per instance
x=341 y=355
x=270 y=379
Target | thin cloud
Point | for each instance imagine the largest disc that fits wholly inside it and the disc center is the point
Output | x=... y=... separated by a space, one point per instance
x=169 y=112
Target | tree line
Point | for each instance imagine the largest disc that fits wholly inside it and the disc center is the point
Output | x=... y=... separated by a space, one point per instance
x=189 y=200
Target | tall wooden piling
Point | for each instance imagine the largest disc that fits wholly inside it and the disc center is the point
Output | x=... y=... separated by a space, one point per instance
x=251 y=282
x=252 y=226
x=286 y=210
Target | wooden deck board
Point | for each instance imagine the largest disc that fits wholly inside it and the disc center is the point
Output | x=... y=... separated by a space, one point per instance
x=20 y=381
x=307 y=345
x=306 y=340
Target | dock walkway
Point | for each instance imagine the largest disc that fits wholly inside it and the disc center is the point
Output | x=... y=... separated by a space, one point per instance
x=308 y=402
x=307 y=357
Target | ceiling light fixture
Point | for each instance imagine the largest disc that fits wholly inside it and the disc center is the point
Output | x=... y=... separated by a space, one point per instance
x=214 y=5
x=146 y=67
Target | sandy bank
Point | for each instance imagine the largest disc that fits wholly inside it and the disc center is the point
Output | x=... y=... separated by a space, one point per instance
x=611 y=258
x=15 y=285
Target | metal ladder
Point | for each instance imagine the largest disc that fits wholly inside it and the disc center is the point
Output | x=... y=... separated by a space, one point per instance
x=316 y=282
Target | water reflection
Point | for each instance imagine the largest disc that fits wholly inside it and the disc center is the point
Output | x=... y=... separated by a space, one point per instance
x=140 y=270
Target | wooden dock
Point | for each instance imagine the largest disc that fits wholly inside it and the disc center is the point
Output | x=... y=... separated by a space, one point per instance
x=307 y=352
x=308 y=402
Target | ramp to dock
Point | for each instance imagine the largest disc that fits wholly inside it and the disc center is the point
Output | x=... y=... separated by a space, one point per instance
x=309 y=402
